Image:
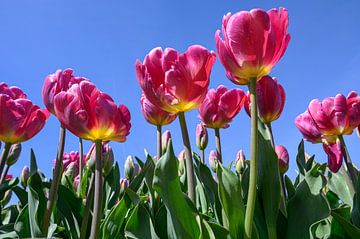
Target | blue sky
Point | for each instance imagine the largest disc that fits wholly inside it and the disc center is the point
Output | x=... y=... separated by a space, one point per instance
x=102 y=39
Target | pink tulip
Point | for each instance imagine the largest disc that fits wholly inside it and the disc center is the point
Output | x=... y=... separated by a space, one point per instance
x=9 y=176
x=176 y=82
x=336 y=115
x=253 y=43
x=72 y=157
x=283 y=157
x=335 y=155
x=91 y=114
x=20 y=118
x=154 y=115
x=305 y=123
x=270 y=99
x=201 y=136
x=56 y=83
x=220 y=106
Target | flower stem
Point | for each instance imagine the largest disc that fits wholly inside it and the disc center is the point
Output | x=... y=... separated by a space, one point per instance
x=81 y=166
x=4 y=156
x=95 y=225
x=55 y=181
x=3 y=176
x=89 y=199
x=159 y=143
x=218 y=144
x=268 y=125
x=188 y=155
x=250 y=206
x=350 y=167
x=203 y=156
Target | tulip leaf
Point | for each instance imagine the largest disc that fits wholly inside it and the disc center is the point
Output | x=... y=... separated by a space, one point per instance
x=7 y=231
x=337 y=184
x=161 y=222
x=300 y=158
x=231 y=199
x=342 y=217
x=84 y=181
x=9 y=214
x=112 y=187
x=7 y=185
x=139 y=224
x=290 y=189
x=22 y=224
x=166 y=182
x=268 y=179
x=310 y=203
x=21 y=194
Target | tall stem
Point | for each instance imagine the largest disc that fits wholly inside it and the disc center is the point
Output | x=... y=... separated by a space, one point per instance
x=4 y=156
x=89 y=199
x=250 y=206
x=203 y=155
x=95 y=225
x=350 y=167
x=81 y=166
x=188 y=155
x=159 y=143
x=218 y=144
x=3 y=176
x=271 y=134
x=55 y=181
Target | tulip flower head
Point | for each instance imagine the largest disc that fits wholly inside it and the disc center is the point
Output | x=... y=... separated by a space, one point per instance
x=220 y=106
x=334 y=152
x=202 y=137
x=14 y=154
x=240 y=162
x=254 y=41
x=129 y=168
x=270 y=99
x=25 y=173
x=55 y=83
x=20 y=118
x=337 y=115
x=72 y=157
x=283 y=157
x=154 y=115
x=91 y=114
x=305 y=123
x=173 y=81
x=165 y=137
x=213 y=160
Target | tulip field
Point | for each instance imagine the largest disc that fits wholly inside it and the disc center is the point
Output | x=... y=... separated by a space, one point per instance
x=171 y=195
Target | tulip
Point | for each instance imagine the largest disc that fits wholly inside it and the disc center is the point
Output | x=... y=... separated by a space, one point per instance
x=91 y=114
x=129 y=168
x=270 y=99
x=201 y=139
x=124 y=183
x=283 y=157
x=220 y=106
x=181 y=159
x=155 y=115
x=177 y=83
x=240 y=162
x=72 y=157
x=337 y=115
x=25 y=173
x=165 y=138
x=335 y=155
x=253 y=43
x=107 y=158
x=213 y=160
x=305 y=123
x=76 y=182
x=55 y=83
x=14 y=154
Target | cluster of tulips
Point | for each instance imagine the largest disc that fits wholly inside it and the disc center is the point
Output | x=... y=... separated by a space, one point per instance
x=179 y=197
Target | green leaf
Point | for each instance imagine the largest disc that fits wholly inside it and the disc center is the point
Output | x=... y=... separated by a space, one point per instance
x=306 y=207
x=22 y=224
x=7 y=185
x=289 y=187
x=139 y=224
x=112 y=187
x=337 y=184
x=342 y=217
x=300 y=158
x=355 y=214
x=230 y=196
x=9 y=214
x=7 y=231
x=161 y=222
x=84 y=181
x=167 y=184
x=21 y=194
x=268 y=179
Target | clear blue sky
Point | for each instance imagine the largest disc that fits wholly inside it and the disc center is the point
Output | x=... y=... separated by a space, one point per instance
x=102 y=39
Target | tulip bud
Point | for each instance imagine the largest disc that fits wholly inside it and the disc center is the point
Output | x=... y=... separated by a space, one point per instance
x=7 y=197
x=181 y=158
x=71 y=171
x=283 y=157
x=201 y=136
x=107 y=158
x=129 y=168
x=14 y=154
x=25 y=173
x=213 y=160
x=124 y=183
x=77 y=181
x=240 y=162
x=166 y=136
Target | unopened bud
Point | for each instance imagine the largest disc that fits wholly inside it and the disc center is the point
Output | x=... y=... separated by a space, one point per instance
x=14 y=154
x=129 y=168
x=283 y=157
x=124 y=183
x=213 y=160
x=25 y=173
x=181 y=158
x=76 y=181
x=107 y=158
x=240 y=162
x=201 y=137
x=71 y=170
x=166 y=136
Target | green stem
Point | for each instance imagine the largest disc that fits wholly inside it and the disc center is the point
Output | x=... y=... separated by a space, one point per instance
x=81 y=166
x=218 y=144
x=268 y=125
x=4 y=156
x=55 y=181
x=350 y=167
x=159 y=143
x=203 y=156
x=251 y=200
x=89 y=199
x=95 y=225
x=188 y=155
x=3 y=176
